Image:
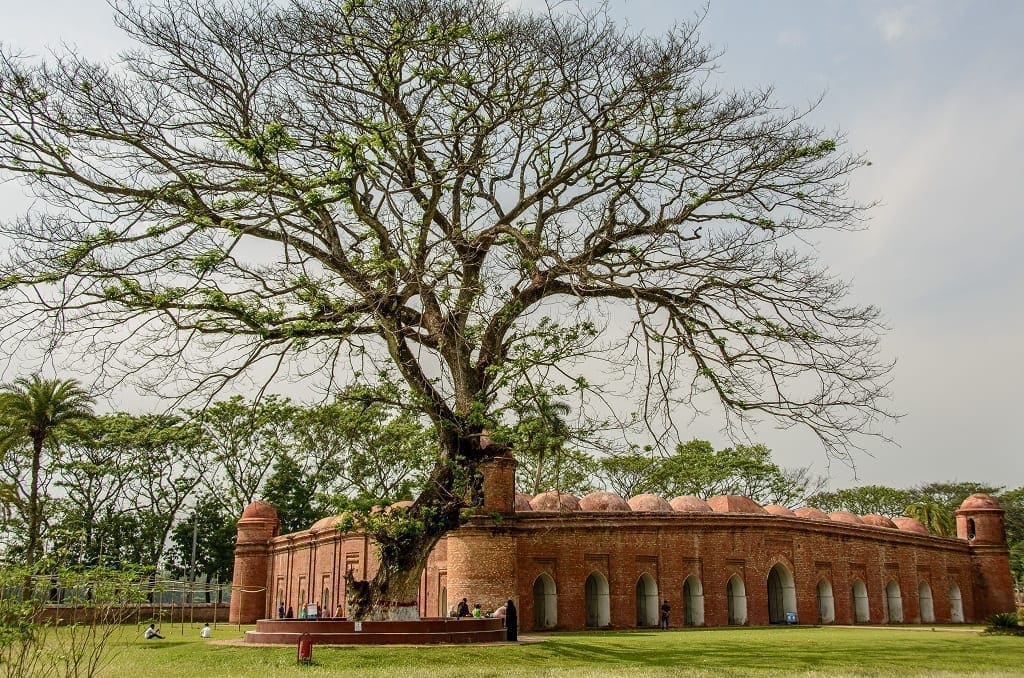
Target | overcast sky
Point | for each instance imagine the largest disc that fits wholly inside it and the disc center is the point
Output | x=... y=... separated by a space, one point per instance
x=933 y=92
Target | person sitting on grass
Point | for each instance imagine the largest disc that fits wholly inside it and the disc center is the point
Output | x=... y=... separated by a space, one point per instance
x=152 y=633
x=206 y=632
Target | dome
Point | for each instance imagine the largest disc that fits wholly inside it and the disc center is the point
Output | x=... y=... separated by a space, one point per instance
x=979 y=501
x=555 y=501
x=330 y=522
x=261 y=510
x=845 y=517
x=523 y=502
x=404 y=504
x=877 y=521
x=777 y=510
x=689 y=504
x=811 y=513
x=910 y=525
x=651 y=503
x=732 y=503
x=603 y=501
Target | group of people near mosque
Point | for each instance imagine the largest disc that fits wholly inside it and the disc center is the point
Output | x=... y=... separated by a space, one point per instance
x=507 y=613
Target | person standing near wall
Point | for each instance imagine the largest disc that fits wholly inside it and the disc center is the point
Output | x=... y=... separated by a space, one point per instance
x=511 y=621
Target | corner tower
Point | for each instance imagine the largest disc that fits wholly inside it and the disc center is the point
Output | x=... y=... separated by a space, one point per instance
x=980 y=521
x=257 y=526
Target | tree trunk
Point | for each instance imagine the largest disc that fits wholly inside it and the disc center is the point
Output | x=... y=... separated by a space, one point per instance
x=393 y=593
x=34 y=512
x=34 y=517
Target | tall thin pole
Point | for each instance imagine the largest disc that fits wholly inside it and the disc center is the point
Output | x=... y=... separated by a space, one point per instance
x=192 y=579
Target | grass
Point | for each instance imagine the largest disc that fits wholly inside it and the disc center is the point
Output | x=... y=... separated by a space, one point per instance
x=720 y=652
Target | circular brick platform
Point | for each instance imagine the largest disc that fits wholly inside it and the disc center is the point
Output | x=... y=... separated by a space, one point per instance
x=430 y=631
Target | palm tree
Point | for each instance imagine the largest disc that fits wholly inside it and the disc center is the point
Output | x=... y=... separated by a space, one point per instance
x=933 y=516
x=40 y=411
x=541 y=430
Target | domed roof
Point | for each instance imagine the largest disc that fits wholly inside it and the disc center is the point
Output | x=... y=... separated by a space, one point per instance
x=603 y=501
x=689 y=504
x=877 y=520
x=910 y=525
x=733 y=503
x=810 y=512
x=650 y=502
x=777 y=510
x=979 y=500
x=523 y=502
x=555 y=501
x=262 y=510
x=845 y=517
x=330 y=522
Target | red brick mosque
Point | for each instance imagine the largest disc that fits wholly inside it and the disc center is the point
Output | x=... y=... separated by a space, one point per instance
x=603 y=562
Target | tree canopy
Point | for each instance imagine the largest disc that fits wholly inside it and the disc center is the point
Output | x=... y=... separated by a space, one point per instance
x=449 y=193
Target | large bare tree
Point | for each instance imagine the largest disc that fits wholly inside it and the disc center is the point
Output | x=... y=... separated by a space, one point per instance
x=463 y=197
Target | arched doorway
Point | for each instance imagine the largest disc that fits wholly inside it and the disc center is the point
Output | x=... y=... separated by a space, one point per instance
x=893 y=603
x=826 y=603
x=597 y=603
x=693 y=601
x=545 y=603
x=442 y=602
x=861 y=606
x=781 y=594
x=956 y=604
x=646 y=601
x=926 y=603
x=736 y=594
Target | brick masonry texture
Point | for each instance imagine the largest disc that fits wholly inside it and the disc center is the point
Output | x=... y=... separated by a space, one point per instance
x=783 y=568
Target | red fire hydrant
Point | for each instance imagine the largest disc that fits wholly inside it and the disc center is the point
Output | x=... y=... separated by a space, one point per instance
x=305 y=650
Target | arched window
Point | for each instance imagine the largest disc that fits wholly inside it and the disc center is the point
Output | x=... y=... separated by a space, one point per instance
x=924 y=598
x=861 y=606
x=736 y=594
x=781 y=595
x=956 y=604
x=545 y=603
x=893 y=603
x=970 y=529
x=598 y=608
x=646 y=601
x=826 y=602
x=693 y=601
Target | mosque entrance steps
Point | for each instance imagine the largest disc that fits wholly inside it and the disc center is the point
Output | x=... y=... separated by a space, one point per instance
x=427 y=631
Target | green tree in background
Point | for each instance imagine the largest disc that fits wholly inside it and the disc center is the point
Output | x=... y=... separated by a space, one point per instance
x=384 y=452
x=245 y=439
x=886 y=501
x=539 y=434
x=748 y=470
x=291 y=493
x=38 y=412
x=629 y=475
x=214 y=530
x=935 y=517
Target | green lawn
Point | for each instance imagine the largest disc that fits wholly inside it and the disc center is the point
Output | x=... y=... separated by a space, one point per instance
x=740 y=652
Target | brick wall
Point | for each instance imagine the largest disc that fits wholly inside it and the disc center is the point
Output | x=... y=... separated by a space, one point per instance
x=495 y=557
